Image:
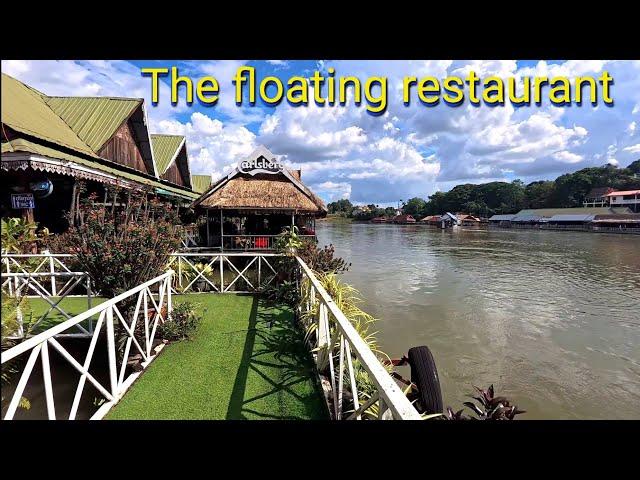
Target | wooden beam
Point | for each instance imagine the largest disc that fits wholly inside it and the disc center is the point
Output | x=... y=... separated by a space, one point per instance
x=72 y=208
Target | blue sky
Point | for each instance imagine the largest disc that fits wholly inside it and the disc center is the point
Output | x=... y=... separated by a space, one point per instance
x=346 y=153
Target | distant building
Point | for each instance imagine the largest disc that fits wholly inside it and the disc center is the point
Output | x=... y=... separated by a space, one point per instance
x=467 y=220
x=404 y=219
x=543 y=215
x=448 y=220
x=597 y=197
x=626 y=198
x=501 y=220
x=620 y=221
x=360 y=210
x=558 y=216
x=380 y=220
x=431 y=220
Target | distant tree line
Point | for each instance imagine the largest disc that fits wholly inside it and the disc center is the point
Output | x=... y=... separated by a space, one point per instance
x=568 y=190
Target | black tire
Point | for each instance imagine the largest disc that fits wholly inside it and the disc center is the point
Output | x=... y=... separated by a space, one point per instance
x=425 y=376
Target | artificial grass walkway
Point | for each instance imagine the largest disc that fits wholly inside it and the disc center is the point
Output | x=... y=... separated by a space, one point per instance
x=246 y=361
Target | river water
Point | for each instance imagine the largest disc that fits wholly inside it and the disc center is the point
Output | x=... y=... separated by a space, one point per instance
x=552 y=319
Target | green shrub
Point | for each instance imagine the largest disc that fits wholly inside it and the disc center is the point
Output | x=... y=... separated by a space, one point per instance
x=322 y=260
x=124 y=246
x=182 y=323
x=21 y=236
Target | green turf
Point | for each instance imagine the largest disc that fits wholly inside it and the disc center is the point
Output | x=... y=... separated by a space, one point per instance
x=246 y=361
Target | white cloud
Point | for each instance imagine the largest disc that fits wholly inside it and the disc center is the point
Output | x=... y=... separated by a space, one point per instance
x=633 y=148
x=567 y=157
x=410 y=150
x=333 y=191
x=213 y=146
x=279 y=63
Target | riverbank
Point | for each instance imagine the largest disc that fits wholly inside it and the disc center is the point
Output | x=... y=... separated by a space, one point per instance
x=334 y=218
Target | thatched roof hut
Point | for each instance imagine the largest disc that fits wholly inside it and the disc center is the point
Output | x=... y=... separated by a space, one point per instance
x=252 y=205
x=259 y=191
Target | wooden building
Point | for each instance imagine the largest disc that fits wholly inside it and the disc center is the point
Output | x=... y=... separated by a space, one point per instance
x=404 y=219
x=50 y=143
x=431 y=220
x=248 y=208
x=467 y=220
x=172 y=162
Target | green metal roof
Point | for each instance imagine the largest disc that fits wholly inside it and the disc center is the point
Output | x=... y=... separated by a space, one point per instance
x=84 y=125
x=96 y=119
x=23 y=145
x=550 y=212
x=25 y=110
x=200 y=183
x=165 y=149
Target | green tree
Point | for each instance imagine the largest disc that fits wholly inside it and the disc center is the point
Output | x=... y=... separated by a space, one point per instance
x=341 y=206
x=389 y=212
x=539 y=194
x=414 y=206
x=634 y=167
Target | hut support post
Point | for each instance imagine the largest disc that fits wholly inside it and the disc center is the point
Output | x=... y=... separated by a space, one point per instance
x=221 y=232
x=208 y=239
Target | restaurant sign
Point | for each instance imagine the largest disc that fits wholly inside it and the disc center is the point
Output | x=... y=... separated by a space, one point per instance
x=260 y=164
x=22 y=200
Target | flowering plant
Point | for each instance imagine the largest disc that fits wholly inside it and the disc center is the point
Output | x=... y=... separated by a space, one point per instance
x=124 y=243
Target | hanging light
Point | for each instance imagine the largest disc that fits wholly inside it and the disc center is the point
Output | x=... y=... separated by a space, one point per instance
x=41 y=189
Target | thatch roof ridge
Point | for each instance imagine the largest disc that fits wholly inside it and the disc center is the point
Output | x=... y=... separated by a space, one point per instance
x=261 y=191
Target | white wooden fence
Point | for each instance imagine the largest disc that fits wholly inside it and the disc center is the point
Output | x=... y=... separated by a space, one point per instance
x=147 y=310
x=339 y=341
x=47 y=277
x=222 y=272
x=336 y=337
x=46 y=266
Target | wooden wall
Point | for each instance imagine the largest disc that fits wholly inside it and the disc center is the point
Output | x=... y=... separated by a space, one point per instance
x=173 y=175
x=122 y=149
x=7 y=134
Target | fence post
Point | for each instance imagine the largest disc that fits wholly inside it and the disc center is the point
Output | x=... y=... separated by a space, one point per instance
x=221 y=274
x=52 y=270
x=111 y=347
x=6 y=261
x=259 y=271
x=169 y=302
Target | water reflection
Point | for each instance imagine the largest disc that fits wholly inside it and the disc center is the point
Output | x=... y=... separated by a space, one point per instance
x=551 y=318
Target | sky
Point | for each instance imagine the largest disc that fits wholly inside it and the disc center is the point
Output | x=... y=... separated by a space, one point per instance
x=344 y=152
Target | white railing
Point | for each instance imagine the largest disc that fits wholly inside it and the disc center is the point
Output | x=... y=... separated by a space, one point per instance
x=27 y=282
x=337 y=341
x=109 y=315
x=222 y=272
x=36 y=263
x=37 y=276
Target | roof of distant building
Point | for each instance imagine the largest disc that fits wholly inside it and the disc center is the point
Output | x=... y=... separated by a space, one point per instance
x=623 y=192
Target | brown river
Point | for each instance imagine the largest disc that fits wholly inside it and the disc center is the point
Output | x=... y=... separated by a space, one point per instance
x=552 y=319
